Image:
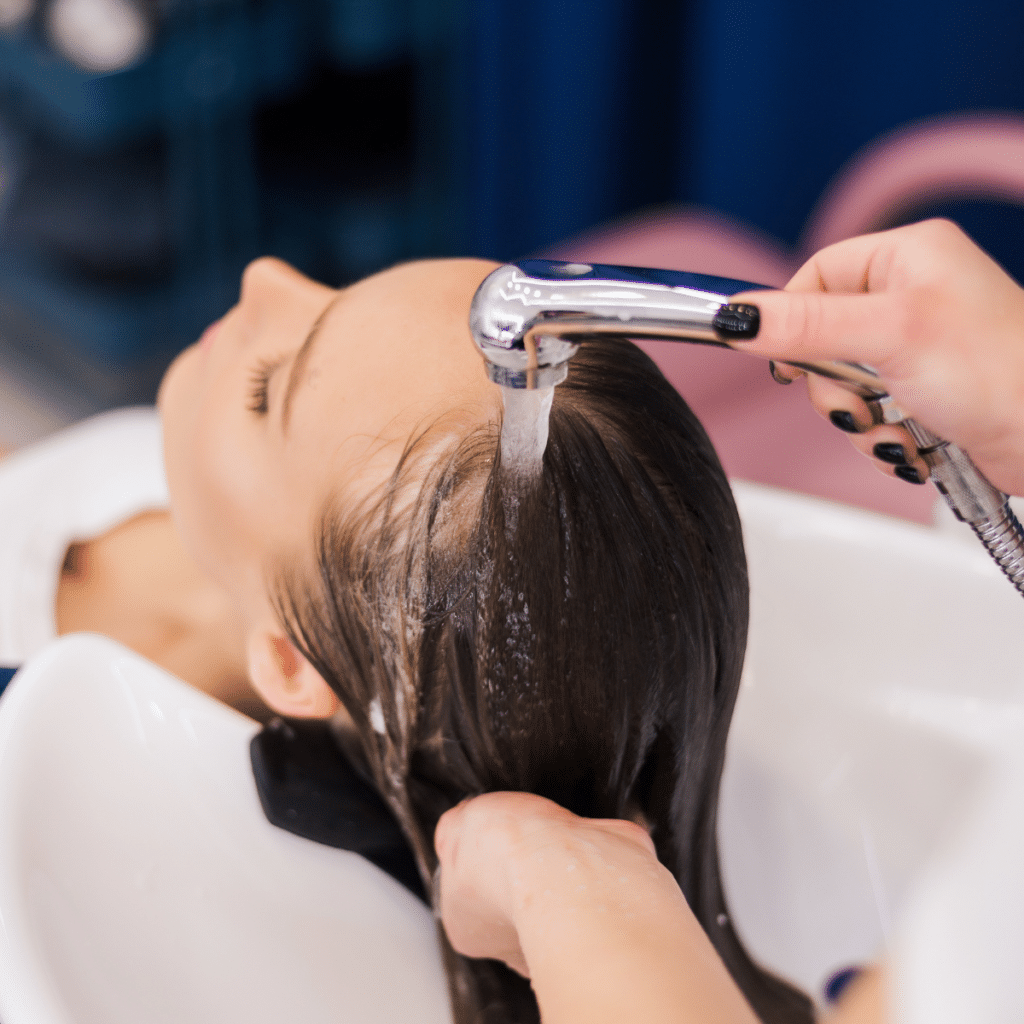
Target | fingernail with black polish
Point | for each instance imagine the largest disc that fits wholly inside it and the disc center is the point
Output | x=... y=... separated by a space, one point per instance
x=909 y=474
x=839 y=982
x=774 y=370
x=886 y=451
x=844 y=421
x=737 y=321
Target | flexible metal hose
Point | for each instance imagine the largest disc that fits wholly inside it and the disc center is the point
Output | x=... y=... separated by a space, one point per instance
x=974 y=501
x=1003 y=538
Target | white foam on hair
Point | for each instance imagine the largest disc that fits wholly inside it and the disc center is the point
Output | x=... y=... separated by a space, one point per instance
x=376 y=716
x=524 y=428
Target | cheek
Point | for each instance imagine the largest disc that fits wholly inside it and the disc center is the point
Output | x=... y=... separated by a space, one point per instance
x=211 y=474
x=177 y=416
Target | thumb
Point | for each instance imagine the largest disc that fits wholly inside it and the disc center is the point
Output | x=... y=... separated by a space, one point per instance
x=812 y=326
x=448 y=830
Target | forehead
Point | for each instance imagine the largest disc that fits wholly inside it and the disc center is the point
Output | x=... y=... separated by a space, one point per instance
x=393 y=357
x=412 y=321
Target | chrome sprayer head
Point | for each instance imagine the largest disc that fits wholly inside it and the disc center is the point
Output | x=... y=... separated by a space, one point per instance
x=528 y=319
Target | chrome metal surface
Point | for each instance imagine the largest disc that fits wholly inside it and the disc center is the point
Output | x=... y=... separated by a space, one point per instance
x=528 y=319
x=1003 y=538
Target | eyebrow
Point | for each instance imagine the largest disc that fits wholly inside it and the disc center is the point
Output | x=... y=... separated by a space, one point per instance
x=300 y=361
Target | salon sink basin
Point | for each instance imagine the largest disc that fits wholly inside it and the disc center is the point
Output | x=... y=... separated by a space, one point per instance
x=139 y=880
x=885 y=661
x=141 y=884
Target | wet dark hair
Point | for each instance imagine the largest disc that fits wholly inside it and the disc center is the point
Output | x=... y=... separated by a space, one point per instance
x=577 y=634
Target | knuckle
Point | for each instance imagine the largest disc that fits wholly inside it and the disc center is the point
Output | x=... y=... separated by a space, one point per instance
x=940 y=234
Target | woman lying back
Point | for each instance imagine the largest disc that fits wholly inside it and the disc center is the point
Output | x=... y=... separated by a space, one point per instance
x=334 y=469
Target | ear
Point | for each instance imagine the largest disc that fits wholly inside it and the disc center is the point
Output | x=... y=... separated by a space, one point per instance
x=285 y=680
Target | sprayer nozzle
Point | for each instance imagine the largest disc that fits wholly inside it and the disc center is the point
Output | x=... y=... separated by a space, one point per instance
x=506 y=320
x=529 y=319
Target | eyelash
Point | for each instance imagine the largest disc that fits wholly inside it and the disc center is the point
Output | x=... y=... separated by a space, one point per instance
x=258 y=387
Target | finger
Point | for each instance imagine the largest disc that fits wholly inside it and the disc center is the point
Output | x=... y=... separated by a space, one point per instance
x=893 y=453
x=784 y=373
x=814 y=327
x=890 y=446
x=447 y=829
x=845 y=410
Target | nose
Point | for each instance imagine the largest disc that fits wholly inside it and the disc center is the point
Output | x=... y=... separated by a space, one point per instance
x=269 y=278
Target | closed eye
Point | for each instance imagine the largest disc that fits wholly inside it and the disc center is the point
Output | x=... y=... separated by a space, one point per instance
x=259 y=384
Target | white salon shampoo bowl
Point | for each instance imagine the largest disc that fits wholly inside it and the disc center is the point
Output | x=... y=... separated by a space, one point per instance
x=141 y=884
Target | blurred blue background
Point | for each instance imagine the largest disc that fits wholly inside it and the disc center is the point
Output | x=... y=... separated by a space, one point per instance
x=150 y=148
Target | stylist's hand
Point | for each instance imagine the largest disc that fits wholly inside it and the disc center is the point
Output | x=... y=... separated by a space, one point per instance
x=496 y=853
x=941 y=322
x=584 y=909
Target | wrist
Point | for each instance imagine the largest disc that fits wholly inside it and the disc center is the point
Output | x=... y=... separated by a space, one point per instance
x=602 y=923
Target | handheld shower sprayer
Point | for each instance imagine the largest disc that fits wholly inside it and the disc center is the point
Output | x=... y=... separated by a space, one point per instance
x=528 y=319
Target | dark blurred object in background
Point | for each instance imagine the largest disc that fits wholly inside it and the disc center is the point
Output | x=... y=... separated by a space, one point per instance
x=150 y=148
x=745 y=107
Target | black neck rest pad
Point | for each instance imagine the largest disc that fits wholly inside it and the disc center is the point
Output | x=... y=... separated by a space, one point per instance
x=308 y=787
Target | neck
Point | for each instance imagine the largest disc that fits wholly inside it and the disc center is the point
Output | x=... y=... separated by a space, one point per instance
x=138 y=585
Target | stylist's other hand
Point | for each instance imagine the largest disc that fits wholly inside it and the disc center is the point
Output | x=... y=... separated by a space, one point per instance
x=499 y=853
x=940 y=321
x=584 y=909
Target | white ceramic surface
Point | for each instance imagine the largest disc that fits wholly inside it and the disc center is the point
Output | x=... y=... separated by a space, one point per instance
x=884 y=659
x=139 y=881
x=141 y=884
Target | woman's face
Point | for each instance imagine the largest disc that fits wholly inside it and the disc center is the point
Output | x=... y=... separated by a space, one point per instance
x=302 y=393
